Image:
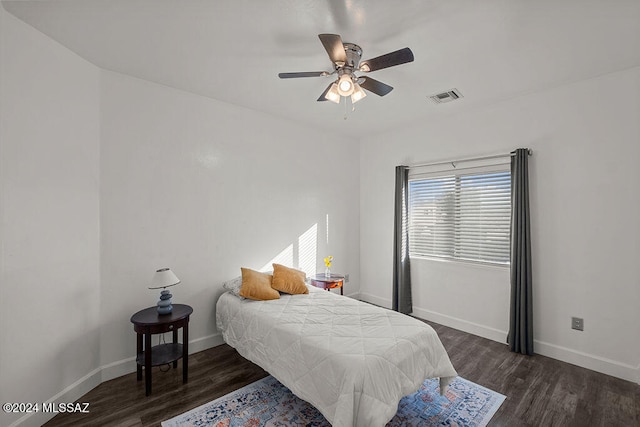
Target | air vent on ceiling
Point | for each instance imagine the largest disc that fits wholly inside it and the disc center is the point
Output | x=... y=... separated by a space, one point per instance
x=448 y=96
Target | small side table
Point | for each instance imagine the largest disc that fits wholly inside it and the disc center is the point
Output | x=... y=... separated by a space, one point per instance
x=148 y=322
x=328 y=283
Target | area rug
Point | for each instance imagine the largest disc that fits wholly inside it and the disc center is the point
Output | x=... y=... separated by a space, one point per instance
x=269 y=403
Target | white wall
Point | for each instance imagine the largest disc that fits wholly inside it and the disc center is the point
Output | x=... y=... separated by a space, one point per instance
x=205 y=188
x=585 y=205
x=106 y=178
x=49 y=216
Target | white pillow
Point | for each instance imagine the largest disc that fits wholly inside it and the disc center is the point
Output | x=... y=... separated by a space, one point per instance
x=234 y=286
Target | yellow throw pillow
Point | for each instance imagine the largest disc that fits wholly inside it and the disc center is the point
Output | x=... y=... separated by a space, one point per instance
x=289 y=280
x=257 y=286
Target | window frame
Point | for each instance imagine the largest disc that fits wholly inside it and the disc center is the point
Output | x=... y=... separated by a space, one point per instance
x=455 y=174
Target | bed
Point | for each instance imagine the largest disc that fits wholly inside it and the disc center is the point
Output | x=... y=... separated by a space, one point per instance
x=353 y=361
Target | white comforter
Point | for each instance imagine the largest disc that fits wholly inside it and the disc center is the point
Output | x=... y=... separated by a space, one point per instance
x=351 y=360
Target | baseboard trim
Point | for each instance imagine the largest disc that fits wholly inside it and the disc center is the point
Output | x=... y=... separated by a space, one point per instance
x=354 y=295
x=444 y=319
x=589 y=361
x=462 y=325
x=375 y=300
x=204 y=343
x=102 y=374
x=117 y=369
x=126 y=366
x=564 y=354
x=70 y=394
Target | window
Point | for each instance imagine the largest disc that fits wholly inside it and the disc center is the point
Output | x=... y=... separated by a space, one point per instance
x=464 y=217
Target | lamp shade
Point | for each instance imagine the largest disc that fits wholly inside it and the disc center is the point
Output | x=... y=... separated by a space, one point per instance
x=345 y=85
x=358 y=93
x=164 y=278
x=333 y=95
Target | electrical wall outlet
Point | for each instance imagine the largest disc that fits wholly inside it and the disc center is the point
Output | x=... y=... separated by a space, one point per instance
x=346 y=278
x=577 y=323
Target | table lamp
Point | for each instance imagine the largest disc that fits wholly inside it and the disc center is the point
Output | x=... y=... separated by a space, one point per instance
x=163 y=279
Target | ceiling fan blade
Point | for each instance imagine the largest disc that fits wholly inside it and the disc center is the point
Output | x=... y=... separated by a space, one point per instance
x=334 y=47
x=375 y=86
x=398 y=57
x=303 y=74
x=322 y=97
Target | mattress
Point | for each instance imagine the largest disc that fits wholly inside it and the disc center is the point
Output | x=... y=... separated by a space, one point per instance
x=353 y=361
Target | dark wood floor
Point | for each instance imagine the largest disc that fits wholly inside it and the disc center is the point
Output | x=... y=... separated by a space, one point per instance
x=540 y=391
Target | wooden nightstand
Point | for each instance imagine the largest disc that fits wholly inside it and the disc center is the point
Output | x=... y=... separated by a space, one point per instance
x=328 y=283
x=148 y=322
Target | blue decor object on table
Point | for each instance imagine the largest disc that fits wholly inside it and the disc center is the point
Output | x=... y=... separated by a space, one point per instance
x=162 y=279
x=164 y=305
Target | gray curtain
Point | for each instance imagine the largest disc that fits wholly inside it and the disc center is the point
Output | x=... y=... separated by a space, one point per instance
x=401 y=268
x=521 y=312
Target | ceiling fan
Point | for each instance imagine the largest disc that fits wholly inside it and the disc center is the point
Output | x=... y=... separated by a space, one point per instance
x=346 y=62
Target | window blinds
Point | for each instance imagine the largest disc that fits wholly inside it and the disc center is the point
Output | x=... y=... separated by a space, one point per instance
x=461 y=215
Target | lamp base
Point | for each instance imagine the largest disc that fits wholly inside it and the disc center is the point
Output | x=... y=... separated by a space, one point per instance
x=165 y=310
x=164 y=305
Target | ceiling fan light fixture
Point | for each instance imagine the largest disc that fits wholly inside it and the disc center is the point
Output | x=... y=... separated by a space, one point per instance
x=333 y=94
x=345 y=85
x=358 y=93
x=346 y=63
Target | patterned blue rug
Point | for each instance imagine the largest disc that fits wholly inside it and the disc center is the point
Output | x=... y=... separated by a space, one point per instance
x=267 y=402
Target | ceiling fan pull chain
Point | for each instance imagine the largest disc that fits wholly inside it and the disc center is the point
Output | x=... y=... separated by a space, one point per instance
x=345 y=107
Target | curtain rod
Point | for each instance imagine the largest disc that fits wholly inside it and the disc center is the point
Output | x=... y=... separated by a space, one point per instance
x=470 y=159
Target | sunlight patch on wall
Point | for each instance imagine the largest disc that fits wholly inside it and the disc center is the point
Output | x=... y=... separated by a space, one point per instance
x=308 y=250
x=301 y=254
x=327 y=228
x=285 y=258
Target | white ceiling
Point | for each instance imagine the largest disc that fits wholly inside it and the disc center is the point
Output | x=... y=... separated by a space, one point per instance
x=233 y=50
